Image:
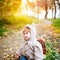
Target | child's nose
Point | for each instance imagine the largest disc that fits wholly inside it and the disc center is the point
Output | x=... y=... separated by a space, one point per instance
x=25 y=34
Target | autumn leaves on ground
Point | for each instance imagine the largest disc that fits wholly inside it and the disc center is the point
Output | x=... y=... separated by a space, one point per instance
x=11 y=33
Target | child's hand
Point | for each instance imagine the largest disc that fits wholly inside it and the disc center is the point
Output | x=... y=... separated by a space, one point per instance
x=16 y=56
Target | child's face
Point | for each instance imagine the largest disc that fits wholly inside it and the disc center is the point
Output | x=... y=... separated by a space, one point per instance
x=27 y=34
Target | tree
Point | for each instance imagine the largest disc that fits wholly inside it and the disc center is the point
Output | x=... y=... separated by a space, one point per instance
x=55 y=10
x=43 y=4
x=59 y=6
x=1 y=7
x=46 y=9
x=8 y=7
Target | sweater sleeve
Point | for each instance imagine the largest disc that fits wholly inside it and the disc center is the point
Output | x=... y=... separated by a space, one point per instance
x=19 y=51
x=38 y=52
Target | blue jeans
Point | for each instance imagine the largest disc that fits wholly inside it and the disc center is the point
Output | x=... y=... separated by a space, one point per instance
x=22 y=58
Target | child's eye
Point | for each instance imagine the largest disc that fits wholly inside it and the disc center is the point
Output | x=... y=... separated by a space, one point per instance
x=27 y=33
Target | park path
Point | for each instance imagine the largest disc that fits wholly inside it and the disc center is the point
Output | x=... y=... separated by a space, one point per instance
x=13 y=40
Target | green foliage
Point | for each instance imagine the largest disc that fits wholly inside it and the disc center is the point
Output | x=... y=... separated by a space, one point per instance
x=16 y=22
x=21 y=20
x=9 y=7
x=4 y=21
x=51 y=53
x=2 y=30
x=56 y=23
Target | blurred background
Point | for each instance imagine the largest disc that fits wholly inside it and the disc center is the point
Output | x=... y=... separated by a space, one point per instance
x=15 y=14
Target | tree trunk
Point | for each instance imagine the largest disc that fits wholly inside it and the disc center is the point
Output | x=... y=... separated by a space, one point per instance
x=52 y=12
x=55 y=11
x=46 y=9
x=59 y=9
x=59 y=6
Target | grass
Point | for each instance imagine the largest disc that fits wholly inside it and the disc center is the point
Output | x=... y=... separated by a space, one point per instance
x=17 y=22
x=2 y=30
x=51 y=53
x=21 y=21
x=56 y=24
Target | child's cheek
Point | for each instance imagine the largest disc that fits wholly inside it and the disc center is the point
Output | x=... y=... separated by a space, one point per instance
x=28 y=35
